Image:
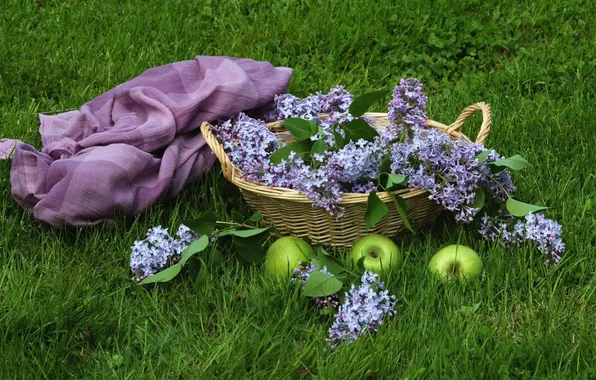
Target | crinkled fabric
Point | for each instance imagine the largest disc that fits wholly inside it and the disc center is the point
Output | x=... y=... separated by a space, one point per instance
x=136 y=143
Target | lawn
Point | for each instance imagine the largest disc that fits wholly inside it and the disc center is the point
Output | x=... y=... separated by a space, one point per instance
x=68 y=306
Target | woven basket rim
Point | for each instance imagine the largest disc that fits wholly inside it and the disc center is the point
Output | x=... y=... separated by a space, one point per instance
x=234 y=174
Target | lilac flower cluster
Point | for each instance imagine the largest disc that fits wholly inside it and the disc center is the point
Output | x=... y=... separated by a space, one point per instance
x=159 y=250
x=303 y=273
x=357 y=161
x=248 y=141
x=249 y=145
x=449 y=170
x=362 y=311
x=338 y=171
x=501 y=184
x=544 y=233
x=336 y=101
x=335 y=105
x=407 y=108
x=321 y=185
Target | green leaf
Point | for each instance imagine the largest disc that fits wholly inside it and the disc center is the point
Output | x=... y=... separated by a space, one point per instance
x=256 y=217
x=214 y=258
x=469 y=310
x=385 y=166
x=321 y=284
x=314 y=127
x=203 y=276
x=516 y=163
x=319 y=147
x=375 y=210
x=321 y=132
x=193 y=266
x=478 y=199
x=401 y=206
x=395 y=179
x=115 y=361
x=203 y=225
x=362 y=103
x=340 y=142
x=333 y=265
x=299 y=128
x=249 y=249
x=359 y=129
x=482 y=156
x=360 y=263
x=163 y=276
x=237 y=217
x=196 y=246
x=519 y=209
x=302 y=149
x=248 y=233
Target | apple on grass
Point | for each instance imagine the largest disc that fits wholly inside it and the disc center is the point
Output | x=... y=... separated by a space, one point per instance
x=285 y=254
x=380 y=253
x=456 y=262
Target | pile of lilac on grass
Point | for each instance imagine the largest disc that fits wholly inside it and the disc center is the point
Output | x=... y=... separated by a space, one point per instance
x=159 y=250
x=362 y=311
x=544 y=233
x=302 y=273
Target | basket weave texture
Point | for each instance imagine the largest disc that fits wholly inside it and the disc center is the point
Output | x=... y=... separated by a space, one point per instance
x=291 y=212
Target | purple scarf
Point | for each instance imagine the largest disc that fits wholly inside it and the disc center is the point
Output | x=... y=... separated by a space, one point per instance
x=130 y=146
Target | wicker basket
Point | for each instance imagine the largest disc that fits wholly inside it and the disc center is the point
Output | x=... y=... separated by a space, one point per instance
x=291 y=212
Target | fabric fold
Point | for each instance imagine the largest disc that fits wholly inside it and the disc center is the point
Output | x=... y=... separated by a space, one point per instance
x=138 y=142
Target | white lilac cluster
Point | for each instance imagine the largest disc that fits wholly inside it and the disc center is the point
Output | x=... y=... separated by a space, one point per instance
x=362 y=311
x=302 y=273
x=159 y=250
x=544 y=233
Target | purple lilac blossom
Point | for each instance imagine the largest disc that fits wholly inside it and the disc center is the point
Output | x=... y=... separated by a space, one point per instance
x=448 y=169
x=444 y=167
x=364 y=188
x=406 y=108
x=159 y=250
x=303 y=273
x=504 y=183
x=544 y=233
x=336 y=101
x=362 y=310
x=248 y=142
x=322 y=185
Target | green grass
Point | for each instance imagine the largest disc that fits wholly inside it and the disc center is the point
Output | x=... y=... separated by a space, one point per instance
x=68 y=307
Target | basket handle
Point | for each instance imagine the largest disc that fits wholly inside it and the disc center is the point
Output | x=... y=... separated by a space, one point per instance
x=226 y=165
x=486 y=120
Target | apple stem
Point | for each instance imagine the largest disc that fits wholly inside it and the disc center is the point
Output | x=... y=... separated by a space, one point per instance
x=453 y=271
x=374 y=254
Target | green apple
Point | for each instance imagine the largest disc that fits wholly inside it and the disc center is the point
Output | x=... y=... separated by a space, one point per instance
x=285 y=254
x=456 y=262
x=380 y=253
